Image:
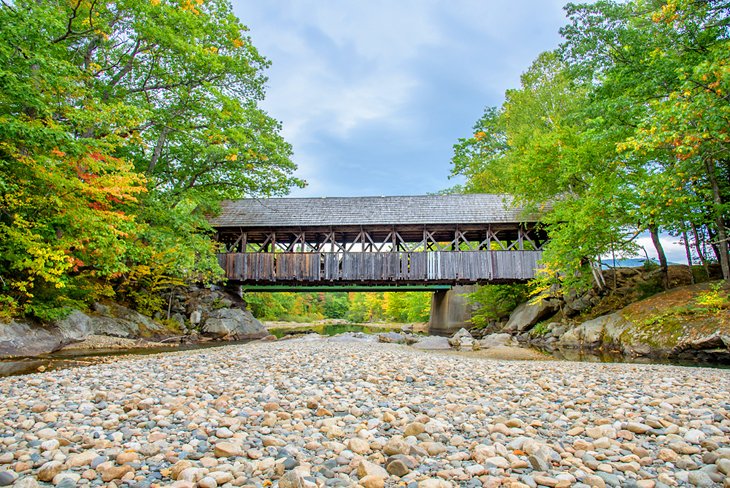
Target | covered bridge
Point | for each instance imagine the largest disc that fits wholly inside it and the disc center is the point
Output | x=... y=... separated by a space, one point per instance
x=399 y=240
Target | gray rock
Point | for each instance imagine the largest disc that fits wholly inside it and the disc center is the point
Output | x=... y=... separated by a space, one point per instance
x=526 y=315
x=76 y=327
x=433 y=343
x=493 y=340
x=713 y=341
x=7 y=478
x=539 y=463
x=114 y=327
x=27 y=339
x=292 y=479
x=591 y=334
x=118 y=321
x=576 y=304
x=392 y=337
x=463 y=340
x=26 y=482
x=700 y=478
x=233 y=323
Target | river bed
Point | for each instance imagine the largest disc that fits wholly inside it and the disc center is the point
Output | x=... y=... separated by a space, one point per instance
x=74 y=357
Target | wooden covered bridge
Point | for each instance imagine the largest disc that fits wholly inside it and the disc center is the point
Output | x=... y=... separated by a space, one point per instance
x=375 y=241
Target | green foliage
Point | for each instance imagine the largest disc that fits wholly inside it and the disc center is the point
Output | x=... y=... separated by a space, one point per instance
x=540 y=329
x=496 y=302
x=356 y=307
x=336 y=305
x=715 y=299
x=622 y=130
x=121 y=125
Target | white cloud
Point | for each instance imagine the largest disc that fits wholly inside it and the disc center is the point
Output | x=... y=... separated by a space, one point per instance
x=340 y=67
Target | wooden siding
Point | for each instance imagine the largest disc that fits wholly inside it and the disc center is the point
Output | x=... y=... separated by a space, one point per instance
x=381 y=267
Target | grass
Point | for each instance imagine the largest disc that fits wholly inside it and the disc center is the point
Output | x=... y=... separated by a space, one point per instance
x=684 y=313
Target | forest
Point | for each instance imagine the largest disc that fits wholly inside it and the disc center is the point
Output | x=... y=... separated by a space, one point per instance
x=355 y=307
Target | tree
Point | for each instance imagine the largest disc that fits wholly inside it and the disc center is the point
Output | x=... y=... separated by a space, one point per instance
x=121 y=125
x=623 y=130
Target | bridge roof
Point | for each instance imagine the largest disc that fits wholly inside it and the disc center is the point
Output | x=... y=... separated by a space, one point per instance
x=369 y=211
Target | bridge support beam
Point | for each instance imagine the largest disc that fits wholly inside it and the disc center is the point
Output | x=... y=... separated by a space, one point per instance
x=450 y=310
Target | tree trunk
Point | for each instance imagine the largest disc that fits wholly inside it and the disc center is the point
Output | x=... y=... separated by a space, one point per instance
x=158 y=149
x=654 y=231
x=719 y=221
x=688 y=251
x=700 y=253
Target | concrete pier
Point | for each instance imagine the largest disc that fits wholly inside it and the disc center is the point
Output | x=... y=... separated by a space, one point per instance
x=450 y=310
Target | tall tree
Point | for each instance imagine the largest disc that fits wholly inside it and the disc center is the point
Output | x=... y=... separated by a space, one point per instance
x=121 y=125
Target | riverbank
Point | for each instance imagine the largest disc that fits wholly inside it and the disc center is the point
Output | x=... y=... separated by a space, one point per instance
x=315 y=412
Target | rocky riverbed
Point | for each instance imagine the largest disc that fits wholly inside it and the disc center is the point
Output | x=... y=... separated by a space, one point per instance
x=305 y=413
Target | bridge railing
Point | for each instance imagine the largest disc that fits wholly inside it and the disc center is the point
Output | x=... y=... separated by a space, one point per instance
x=381 y=267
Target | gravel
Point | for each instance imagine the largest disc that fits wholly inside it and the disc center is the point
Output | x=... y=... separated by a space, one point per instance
x=306 y=413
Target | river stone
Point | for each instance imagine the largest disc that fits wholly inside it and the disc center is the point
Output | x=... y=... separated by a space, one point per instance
x=7 y=478
x=49 y=470
x=366 y=468
x=397 y=467
x=227 y=449
x=494 y=340
x=26 y=482
x=700 y=479
x=432 y=343
x=372 y=481
x=526 y=315
x=233 y=323
x=294 y=479
x=82 y=459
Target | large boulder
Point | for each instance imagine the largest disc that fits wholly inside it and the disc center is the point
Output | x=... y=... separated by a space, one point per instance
x=495 y=340
x=20 y=338
x=76 y=327
x=526 y=315
x=118 y=321
x=109 y=326
x=593 y=334
x=463 y=340
x=27 y=339
x=233 y=323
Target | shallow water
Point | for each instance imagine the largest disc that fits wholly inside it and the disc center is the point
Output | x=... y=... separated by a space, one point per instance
x=86 y=357
x=330 y=329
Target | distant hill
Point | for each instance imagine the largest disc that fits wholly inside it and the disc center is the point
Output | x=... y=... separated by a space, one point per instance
x=629 y=263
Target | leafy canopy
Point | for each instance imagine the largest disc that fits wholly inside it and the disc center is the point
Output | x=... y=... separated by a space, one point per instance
x=121 y=125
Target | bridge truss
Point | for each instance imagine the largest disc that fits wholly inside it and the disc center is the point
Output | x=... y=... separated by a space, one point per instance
x=381 y=255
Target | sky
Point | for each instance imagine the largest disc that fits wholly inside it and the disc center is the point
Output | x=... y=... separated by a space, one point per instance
x=373 y=94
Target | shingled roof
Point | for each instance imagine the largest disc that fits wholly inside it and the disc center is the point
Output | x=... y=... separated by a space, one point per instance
x=340 y=211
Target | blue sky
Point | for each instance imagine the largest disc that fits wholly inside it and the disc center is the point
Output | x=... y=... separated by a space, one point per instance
x=373 y=94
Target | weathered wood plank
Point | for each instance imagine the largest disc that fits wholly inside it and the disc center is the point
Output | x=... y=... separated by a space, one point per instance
x=431 y=266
